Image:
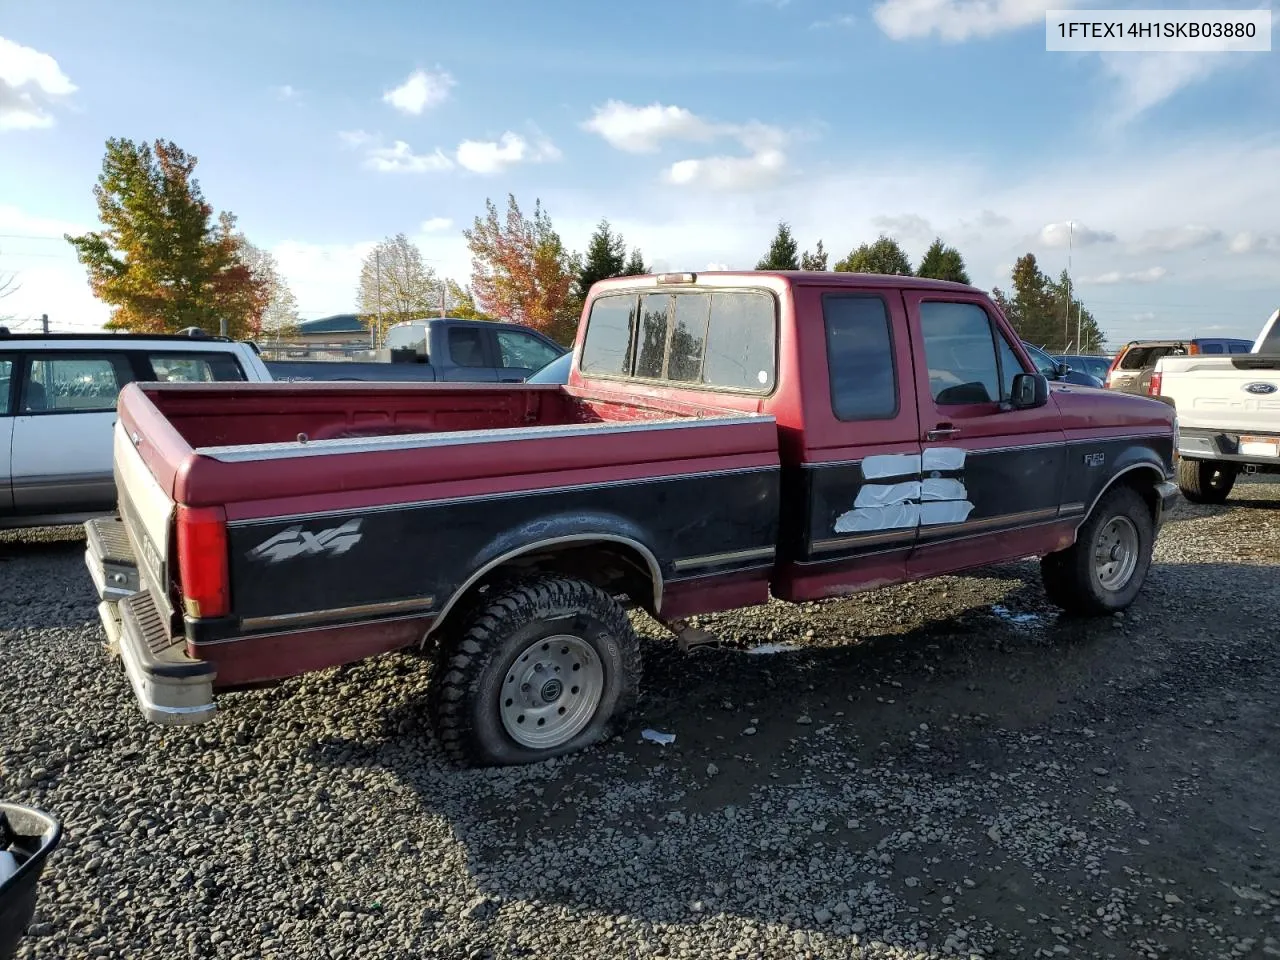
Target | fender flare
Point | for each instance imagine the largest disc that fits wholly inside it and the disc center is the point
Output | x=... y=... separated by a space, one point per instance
x=578 y=539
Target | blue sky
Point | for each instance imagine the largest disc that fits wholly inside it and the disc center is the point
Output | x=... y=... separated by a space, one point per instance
x=693 y=126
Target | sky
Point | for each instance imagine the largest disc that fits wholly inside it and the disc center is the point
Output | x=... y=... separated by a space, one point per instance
x=694 y=126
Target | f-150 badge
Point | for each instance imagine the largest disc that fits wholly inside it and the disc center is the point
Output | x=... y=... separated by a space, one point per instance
x=295 y=542
x=1095 y=459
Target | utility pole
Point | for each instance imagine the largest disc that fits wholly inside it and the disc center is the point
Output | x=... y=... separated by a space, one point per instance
x=1066 y=325
x=443 y=284
x=44 y=322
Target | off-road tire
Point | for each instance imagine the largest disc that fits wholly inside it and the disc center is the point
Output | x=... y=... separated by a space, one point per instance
x=1071 y=579
x=474 y=659
x=1206 y=481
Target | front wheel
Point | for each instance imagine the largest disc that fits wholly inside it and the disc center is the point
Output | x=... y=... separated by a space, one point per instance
x=542 y=668
x=1104 y=569
x=1206 y=481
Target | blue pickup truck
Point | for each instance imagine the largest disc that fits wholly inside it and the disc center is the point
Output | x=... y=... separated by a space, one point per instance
x=439 y=349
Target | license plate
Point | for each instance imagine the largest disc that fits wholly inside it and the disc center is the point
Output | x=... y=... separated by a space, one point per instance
x=1259 y=447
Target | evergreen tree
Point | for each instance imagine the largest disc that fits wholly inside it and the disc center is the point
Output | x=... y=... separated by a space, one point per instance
x=885 y=255
x=161 y=260
x=941 y=262
x=814 y=261
x=635 y=265
x=782 y=252
x=606 y=257
x=1042 y=313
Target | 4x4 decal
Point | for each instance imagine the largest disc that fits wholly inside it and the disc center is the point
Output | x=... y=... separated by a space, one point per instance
x=295 y=542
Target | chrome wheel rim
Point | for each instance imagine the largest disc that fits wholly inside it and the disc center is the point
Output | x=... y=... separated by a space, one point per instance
x=1115 y=556
x=551 y=691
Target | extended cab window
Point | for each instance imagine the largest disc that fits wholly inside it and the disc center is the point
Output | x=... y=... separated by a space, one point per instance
x=860 y=357
x=960 y=350
x=195 y=367
x=466 y=347
x=73 y=383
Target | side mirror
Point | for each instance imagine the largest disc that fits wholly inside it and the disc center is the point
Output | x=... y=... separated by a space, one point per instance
x=1064 y=369
x=1029 y=390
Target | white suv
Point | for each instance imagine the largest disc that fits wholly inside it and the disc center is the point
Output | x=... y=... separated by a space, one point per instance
x=57 y=409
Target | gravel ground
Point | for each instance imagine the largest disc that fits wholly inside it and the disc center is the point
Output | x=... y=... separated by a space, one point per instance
x=933 y=770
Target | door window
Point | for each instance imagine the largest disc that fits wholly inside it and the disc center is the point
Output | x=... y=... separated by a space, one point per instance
x=466 y=347
x=73 y=383
x=860 y=357
x=6 y=386
x=960 y=350
x=195 y=367
x=519 y=350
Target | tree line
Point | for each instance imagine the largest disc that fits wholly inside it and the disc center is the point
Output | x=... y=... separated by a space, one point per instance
x=163 y=261
x=1042 y=310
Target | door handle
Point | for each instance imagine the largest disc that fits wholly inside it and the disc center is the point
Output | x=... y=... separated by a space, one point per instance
x=942 y=431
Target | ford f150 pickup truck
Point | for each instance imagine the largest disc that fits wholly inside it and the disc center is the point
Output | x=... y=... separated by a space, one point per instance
x=722 y=437
x=1228 y=413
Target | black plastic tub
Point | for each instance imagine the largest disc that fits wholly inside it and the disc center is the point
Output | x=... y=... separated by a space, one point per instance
x=30 y=835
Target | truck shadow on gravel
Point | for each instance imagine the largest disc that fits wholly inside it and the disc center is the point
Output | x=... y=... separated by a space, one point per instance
x=973 y=772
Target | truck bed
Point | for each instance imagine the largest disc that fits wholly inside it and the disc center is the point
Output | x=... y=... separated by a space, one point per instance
x=347 y=509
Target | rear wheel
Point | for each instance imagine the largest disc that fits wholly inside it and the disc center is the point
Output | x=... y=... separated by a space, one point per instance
x=1206 y=481
x=1105 y=568
x=540 y=669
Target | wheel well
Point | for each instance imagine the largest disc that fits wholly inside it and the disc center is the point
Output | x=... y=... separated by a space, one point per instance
x=615 y=566
x=1142 y=480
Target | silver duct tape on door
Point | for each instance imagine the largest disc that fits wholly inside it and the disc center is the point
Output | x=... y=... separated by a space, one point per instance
x=912 y=499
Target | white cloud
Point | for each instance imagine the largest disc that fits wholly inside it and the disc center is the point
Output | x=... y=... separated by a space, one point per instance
x=717 y=266
x=835 y=23
x=642 y=129
x=1147 y=79
x=30 y=82
x=1172 y=239
x=422 y=90
x=287 y=92
x=728 y=173
x=1150 y=275
x=1249 y=242
x=355 y=138
x=907 y=225
x=1063 y=235
x=960 y=20
x=400 y=158
x=488 y=156
x=436 y=224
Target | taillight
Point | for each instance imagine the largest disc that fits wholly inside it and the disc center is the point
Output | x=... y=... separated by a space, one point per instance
x=202 y=561
x=1153 y=388
x=1115 y=362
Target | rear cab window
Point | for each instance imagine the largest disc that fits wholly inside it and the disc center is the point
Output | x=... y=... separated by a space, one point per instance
x=1141 y=358
x=711 y=339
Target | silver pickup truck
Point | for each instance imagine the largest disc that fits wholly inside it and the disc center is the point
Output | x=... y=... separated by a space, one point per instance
x=1228 y=414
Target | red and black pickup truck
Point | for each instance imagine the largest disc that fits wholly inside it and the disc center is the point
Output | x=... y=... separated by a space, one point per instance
x=722 y=437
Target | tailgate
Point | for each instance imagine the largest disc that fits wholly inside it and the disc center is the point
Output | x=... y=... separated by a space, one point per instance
x=147 y=512
x=1232 y=394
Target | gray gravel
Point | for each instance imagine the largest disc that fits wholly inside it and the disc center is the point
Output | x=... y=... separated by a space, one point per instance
x=942 y=769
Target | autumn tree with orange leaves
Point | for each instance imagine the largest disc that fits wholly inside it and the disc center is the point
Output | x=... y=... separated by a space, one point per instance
x=521 y=271
x=161 y=260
